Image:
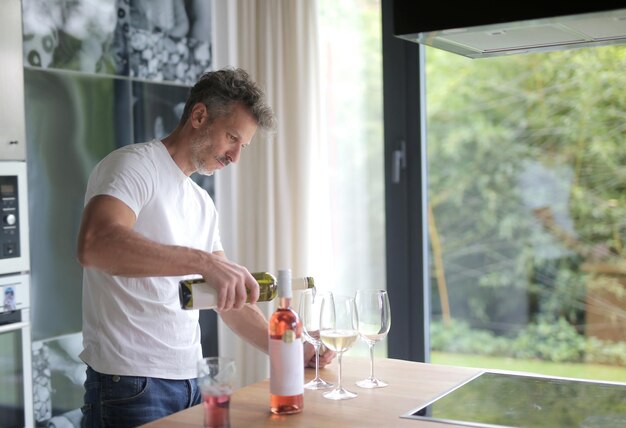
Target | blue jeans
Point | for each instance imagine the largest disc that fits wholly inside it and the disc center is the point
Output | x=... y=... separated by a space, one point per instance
x=129 y=401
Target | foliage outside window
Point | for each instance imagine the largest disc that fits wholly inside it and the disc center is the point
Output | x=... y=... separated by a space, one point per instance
x=527 y=203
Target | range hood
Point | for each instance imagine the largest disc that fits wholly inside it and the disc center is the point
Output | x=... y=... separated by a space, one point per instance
x=488 y=29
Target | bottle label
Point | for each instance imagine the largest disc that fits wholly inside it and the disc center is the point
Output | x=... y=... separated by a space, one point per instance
x=204 y=296
x=286 y=367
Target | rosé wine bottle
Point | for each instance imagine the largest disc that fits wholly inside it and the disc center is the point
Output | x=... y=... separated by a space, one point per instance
x=285 y=349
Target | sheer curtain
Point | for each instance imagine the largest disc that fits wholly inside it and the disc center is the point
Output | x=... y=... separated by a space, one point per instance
x=266 y=200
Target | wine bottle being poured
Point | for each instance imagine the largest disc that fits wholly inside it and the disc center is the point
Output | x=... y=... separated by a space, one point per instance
x=197 y=294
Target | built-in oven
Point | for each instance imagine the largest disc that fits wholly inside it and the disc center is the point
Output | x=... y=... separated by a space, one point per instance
x=16 y=390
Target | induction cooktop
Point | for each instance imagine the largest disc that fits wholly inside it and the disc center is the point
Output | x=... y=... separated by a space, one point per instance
x=496 y=399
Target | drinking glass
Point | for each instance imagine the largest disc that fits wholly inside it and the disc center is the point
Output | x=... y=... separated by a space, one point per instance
x=215 y=378
x=309 y=311
x=339 y=324
x=374 y=323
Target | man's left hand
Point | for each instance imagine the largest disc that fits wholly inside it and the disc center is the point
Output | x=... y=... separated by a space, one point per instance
x=326 y=355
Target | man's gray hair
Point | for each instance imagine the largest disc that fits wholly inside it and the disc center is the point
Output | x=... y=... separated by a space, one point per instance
x=220 y=90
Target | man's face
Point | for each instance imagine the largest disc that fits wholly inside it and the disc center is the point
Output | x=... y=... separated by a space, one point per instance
x=220 y=143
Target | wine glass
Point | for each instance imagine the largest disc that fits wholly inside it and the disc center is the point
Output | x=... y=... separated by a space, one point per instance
x=374 y=323
x=309 y=311
x=338 y=330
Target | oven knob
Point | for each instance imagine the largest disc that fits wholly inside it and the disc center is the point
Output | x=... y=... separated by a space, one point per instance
x=10 y=219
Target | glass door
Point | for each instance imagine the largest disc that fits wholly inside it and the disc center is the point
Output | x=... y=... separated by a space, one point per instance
x=526 y=207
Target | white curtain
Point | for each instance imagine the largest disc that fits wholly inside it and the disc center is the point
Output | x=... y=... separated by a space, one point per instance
x=265 y=201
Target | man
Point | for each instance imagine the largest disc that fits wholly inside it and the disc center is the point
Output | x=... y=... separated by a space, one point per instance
x=145 y=225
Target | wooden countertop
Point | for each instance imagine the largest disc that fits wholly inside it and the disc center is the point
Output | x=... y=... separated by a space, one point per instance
x=411 y=384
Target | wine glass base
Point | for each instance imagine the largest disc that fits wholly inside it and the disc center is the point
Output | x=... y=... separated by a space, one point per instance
x=318 y=384
x=339 y=394
x=372 y=383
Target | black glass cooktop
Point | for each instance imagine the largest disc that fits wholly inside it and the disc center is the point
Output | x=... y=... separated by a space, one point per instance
x=494 y=399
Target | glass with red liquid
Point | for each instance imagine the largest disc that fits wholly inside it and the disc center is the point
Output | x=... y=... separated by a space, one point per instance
x=215 y=378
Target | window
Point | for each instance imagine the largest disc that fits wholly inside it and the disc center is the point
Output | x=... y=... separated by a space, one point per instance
x=352 y=177
x=526 y=203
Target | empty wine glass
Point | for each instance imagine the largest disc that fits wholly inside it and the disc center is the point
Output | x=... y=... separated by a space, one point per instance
x=309 y=311
x=339 y=324
x=374 y=323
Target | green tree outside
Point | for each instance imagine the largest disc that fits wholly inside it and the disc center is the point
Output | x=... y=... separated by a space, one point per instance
x=527 y=186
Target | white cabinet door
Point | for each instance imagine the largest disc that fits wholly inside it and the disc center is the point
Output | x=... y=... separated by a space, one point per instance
x=12 y=126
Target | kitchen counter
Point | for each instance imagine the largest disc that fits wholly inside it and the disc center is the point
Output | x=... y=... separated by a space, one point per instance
x=411 y=384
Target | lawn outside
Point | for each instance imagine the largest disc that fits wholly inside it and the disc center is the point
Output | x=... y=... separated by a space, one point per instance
x=570 y=370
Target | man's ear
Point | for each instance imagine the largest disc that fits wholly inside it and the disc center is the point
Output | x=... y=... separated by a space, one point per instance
x=199 y=115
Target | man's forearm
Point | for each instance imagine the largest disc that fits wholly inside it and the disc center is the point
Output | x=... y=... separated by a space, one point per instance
x=108 y=242
x=122 y=251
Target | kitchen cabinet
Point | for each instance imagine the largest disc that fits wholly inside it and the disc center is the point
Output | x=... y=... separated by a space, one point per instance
x=12 y=126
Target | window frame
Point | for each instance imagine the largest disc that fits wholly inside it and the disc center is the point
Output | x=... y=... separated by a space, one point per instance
x=405 y=200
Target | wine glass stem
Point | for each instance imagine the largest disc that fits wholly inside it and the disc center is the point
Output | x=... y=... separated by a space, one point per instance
x=317 y=361
x=371 y=346
x=339 y=354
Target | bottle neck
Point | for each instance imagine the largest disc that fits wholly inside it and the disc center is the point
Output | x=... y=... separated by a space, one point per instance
x=285 y=302
x=284 y=287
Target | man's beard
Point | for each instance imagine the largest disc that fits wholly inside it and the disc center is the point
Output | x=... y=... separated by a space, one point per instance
x=204 y=172
x=199 y=166
x=197 y=146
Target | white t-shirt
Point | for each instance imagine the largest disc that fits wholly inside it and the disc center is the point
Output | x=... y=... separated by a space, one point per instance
x=135 y=326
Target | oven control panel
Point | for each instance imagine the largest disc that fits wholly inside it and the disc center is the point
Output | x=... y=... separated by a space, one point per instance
x=14 y=236
x=10 y=232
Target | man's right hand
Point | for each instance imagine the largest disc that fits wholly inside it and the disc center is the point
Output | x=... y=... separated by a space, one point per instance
x=231 y=281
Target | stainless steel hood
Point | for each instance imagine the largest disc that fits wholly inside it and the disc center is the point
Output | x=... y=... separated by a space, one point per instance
x=487 y=29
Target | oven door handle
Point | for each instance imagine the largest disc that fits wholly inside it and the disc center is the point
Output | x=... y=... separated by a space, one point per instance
x=12 y=327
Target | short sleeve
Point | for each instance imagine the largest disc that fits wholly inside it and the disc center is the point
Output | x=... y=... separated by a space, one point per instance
x=125 y=175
